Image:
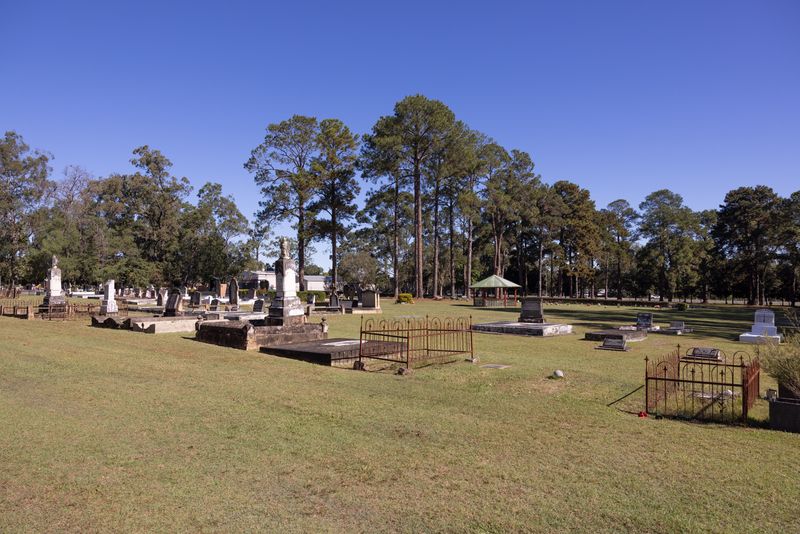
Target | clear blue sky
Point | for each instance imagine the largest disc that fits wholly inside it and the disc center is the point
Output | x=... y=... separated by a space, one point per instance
x=622 y=98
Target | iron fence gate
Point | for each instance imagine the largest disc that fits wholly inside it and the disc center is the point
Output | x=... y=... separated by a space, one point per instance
x=721 y=389
x=415 y=341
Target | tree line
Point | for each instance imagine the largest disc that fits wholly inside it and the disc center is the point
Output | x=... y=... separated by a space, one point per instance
x=444 y=205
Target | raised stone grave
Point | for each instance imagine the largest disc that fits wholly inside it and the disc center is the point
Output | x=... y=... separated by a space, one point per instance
x=629 y=335
x=614 y=343
x=763 y=329
x=676 y=327
x=338 y=352
x=524 y=329
x=531 y=310
x=286 y=322
x=163 y=325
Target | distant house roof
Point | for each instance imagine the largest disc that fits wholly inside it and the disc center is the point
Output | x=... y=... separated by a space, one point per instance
x=494 y=282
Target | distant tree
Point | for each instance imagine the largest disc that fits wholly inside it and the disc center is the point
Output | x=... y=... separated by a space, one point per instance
x=25 y=189
x=578 y=237
x=282 y=168
x=335 y=169
x=789 y=237
x=358 y=268
x=669 y=226
x=747 y=233
x=621 y=225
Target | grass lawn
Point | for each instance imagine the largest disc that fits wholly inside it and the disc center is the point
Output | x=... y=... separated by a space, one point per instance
x=104 y=430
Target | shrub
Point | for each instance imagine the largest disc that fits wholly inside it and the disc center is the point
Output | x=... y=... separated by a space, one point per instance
x=782 y=362
x=405 y=298
x=682 y=306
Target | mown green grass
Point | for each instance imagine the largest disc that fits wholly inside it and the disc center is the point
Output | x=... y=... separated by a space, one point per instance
x=107 y=430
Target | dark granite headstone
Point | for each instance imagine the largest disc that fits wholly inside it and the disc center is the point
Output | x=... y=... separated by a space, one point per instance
x=614 y=343
x=531 y=310
x=644 y=321
x=258 y=306
x=174 y=306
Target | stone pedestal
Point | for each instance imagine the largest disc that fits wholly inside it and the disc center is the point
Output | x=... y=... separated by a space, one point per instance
x=54 y=295
x=109 y=304
x=286 y=308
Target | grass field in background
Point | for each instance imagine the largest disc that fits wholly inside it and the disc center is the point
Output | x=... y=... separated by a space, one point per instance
x=106 y=430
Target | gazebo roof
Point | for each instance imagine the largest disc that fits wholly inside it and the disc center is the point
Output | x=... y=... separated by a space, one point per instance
x=494 y=282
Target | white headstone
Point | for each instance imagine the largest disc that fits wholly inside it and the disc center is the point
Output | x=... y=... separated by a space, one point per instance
x=109 y=304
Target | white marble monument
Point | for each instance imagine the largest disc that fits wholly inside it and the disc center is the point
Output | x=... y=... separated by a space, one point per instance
x=109 y=304
x=53 y=292
x=763 y=329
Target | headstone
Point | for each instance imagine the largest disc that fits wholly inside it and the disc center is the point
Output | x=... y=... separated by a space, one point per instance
x=162 y=297
x=286 y=308
x=311 y=298
x=614 y=343
x=258 y=306
x=334 y=301
x=174 y=305
x=531 y=310
x=763 y=329
x=251 y=293
x=53 y=291
x=233 y=293
x=195 y=299
x=151 y=292
x=370 y=299
x=214 y=306
x=109 y=304
x=644 y=321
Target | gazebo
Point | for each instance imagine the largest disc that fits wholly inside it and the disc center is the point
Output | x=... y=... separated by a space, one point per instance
x=494 y=282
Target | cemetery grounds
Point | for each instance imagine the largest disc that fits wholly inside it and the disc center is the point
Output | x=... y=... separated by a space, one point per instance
x=106 y=430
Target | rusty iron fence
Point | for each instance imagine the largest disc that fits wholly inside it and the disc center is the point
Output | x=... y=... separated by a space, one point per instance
x=35 y=309
x=721 y=389
x=415 y=341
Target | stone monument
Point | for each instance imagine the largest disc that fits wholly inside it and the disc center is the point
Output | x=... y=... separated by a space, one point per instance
x=286 y=308
x=109 y=304
x=233 y=294
x=174 y=305
x=763 y=329
x=53 y=294
x=370 y=299
x=531 y=310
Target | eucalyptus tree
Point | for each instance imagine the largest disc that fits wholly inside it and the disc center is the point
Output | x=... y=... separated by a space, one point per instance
x=25 y=189
x=335 y=170
x=747 y=232
x=404 y=142
x=282 y=165
x=669 y=226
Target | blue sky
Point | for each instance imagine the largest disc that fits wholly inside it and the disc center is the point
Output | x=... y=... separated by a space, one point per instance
x=622 y=98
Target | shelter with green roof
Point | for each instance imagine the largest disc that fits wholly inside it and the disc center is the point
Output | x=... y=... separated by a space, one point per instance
x=492 y=292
